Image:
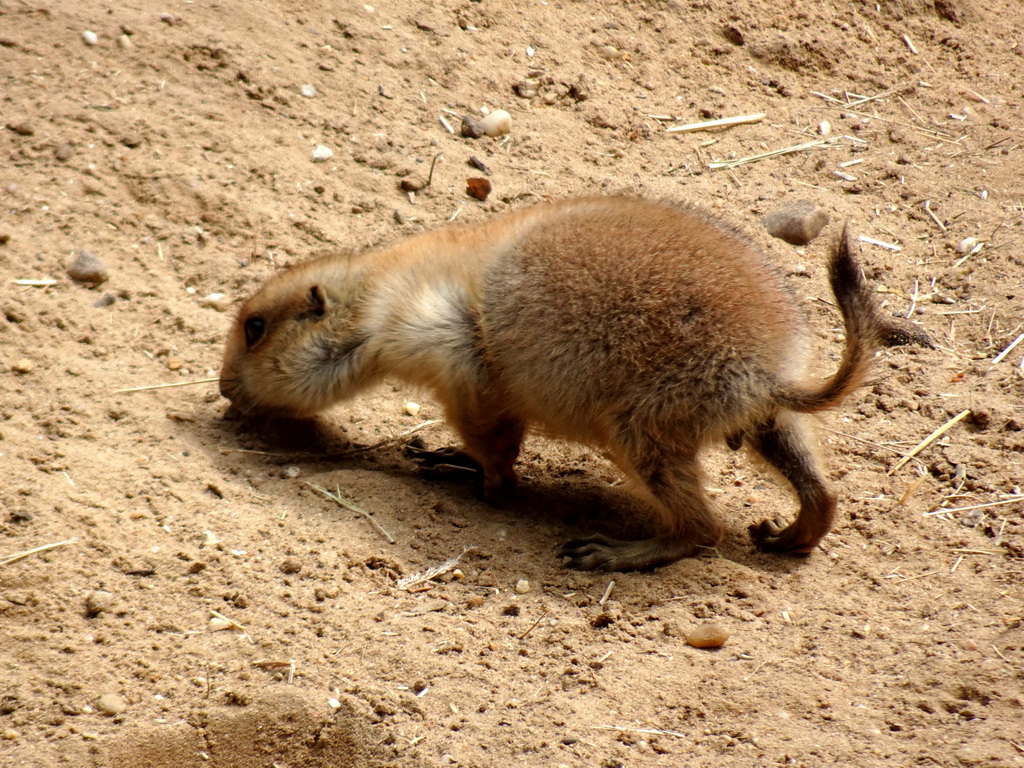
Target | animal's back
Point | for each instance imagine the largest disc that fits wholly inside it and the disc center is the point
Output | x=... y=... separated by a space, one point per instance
x=613 y=309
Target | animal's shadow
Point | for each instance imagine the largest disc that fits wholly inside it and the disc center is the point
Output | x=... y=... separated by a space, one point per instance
x=557 y=508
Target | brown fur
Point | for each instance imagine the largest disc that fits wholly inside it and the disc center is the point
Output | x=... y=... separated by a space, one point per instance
x=645 y=329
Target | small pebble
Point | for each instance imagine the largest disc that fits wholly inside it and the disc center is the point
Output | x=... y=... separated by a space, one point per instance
x=86 y=267
x=10 y=734
x=23 y=366
x=90 y=37
x=609 y=52
x=98 y=601
x=797 y=222
x=708 y=636
x=217 y=624
x=411 y=184
x=411 y=408
x=474 y=601
x=322 y=154
x=334 y=704
x=290 y=565
x=111 y=704
x=308 y=91
x=522 y=587
x=175 y=363
x=125 y=42
x=63 y=152
x=969 y=245
x=291 y=472
x=22 y=129
x=824 y=128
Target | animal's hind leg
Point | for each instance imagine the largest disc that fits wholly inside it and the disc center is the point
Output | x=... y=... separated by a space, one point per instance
x=783 y=443
x=684 y=516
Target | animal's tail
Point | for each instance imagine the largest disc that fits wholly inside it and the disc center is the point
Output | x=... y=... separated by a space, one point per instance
x=863 y=335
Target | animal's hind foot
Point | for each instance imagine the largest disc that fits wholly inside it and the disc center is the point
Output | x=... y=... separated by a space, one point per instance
x=602 y=553
x=444 y=458
x=778 y=536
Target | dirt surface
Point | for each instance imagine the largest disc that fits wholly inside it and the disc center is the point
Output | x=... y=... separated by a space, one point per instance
x=177 y=149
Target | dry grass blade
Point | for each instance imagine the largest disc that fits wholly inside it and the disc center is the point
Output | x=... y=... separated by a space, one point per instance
x=337 y=497
x=8 y=559
x=928 y=440
x=231 y=624
x=651 y=731
x=165 y=386
x=999 y=358
x=879 y=243
x=724 y=122
x=942 y=511
x=407 y=582
x=819 y=144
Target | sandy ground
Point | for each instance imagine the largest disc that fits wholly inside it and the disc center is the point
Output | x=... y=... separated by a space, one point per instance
x=177 y=149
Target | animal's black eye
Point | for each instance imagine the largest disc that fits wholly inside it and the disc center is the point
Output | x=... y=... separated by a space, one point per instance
x=255 y=327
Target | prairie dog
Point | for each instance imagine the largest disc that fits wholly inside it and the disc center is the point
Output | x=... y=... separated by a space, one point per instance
x=644 y=329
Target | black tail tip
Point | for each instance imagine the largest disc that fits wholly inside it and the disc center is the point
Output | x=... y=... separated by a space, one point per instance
x=844 y=269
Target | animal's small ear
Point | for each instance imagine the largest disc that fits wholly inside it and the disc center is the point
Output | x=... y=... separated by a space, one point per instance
x=318 y=300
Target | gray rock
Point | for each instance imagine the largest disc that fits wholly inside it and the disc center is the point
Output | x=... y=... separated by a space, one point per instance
x=86 y=267
x=797 y=222
x=111 y=704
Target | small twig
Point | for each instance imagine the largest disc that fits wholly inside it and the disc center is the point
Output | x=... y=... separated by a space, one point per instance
x=393 y=439
x=919 y=576
x=8 y=559
x=999 y=358
x=927 y=205
x=862 y=440
x=755 y=671
x=430 y=176
x=337 y=497
x=928 y=440
x=165 y=386
x=534 y=625
x=607 y=593
x=45 y=282
x=913 y=301
x=724 y=122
